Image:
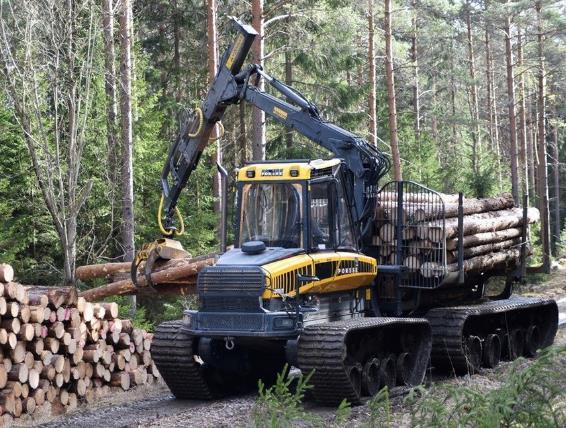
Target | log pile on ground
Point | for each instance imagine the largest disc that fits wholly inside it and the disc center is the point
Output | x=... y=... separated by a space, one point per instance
x=58 y=349
x=492 y=230
x=176 y=276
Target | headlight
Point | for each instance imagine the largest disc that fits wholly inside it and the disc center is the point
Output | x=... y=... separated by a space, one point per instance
x=187 y=319
x=284 y=323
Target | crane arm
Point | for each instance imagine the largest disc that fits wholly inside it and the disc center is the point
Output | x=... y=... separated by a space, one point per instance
x=195 y=133
x=231 y=86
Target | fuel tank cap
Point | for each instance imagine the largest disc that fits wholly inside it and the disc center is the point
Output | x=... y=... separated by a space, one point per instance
x=253 y=247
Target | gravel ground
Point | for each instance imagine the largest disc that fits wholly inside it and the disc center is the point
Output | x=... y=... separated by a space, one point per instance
x=154 y=406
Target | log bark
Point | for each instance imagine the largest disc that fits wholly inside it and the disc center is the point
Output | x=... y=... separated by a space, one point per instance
x=483 y=249
x=487 y=261
x=19 y=373
x=486 y=222
x=121 y=379
x=104 y=270
x=183 y=270
x=484 y=238
x=3 y=376
x=108 y=270
x=15 y=291
x=56 y=296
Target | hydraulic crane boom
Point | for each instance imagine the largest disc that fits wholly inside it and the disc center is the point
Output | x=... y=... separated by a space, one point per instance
x=231 y=86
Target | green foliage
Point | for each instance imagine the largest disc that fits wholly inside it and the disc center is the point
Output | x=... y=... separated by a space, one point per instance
x=281 y=405
x=27 y=237
x=343 y=413
x=141 y=319
x=380 y=410
x=561 y=245
x=528 y=397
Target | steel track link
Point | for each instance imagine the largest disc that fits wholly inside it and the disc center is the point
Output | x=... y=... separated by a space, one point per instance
x=323 y=350
x=448 y=326
x=172 y=351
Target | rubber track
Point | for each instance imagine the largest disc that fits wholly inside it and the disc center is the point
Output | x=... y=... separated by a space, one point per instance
x=322 y=348
x=172 y=351
x=448 y=324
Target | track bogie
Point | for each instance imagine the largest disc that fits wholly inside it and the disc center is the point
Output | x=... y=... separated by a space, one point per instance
x=354 y=359
x=470 y=337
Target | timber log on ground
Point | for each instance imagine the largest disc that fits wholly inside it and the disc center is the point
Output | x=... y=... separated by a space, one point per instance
x=58 y=350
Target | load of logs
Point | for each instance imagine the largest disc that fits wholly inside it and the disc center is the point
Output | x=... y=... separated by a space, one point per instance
x=58 y=349
x=175 y=277
x=492 y=230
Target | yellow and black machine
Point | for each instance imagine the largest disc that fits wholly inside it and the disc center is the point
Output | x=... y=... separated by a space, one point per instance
x=302 y=285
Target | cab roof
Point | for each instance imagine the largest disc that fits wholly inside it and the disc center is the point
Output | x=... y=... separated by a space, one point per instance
x=284 y=170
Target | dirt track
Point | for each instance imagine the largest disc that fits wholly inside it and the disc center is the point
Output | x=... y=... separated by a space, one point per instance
x=154 y=406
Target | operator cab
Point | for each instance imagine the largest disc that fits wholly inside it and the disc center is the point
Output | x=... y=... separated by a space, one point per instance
x=295 y=205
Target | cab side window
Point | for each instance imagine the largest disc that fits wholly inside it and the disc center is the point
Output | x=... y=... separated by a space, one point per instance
x=322 y=217
x=345 y=235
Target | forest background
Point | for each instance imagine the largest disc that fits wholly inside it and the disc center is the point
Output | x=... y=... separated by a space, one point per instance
x=465 y=95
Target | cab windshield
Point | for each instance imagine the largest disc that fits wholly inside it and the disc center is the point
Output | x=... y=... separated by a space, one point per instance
x=272 y=213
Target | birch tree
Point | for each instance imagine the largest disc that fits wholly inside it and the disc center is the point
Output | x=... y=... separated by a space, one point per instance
x=390 y=76
x=371 y=75
x=47 y=52
x=258 y=116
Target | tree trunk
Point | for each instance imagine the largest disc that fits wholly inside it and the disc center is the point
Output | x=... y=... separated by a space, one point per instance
x=127 y=137
x=177 y=51
x=289 y=81
x=416 y=86
x=524 y=171
x=489 y=81
x=476 y=138
x=511 y=109
x=490 y=98
x=212 y=64
x=556 y=171
x=258 y=116
x=453 y=119
x=542 y=168
x=390 y=76
x=242 y=138
x=371 y=77
x=531 y=152
x=111 y=101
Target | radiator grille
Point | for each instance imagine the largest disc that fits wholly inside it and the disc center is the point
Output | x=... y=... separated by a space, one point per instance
x=231 y=322
x=231 y=288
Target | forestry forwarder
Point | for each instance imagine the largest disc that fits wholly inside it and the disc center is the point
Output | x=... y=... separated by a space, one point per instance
x=303 y=286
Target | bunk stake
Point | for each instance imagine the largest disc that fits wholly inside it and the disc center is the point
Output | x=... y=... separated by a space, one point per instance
x=460 y=238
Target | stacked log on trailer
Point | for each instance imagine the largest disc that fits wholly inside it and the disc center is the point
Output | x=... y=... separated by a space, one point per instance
x=57 y=348
x=429 y=228
x=175 y=277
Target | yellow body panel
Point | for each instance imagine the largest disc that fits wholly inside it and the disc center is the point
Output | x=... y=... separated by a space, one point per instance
x=342 y=271
x=278 y=171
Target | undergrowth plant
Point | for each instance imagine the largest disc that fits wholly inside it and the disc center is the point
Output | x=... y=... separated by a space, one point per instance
x=528 y=397
x=380 y=410
x=281 y=405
